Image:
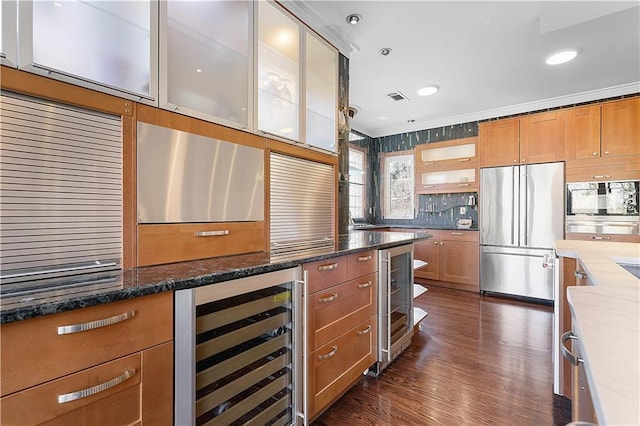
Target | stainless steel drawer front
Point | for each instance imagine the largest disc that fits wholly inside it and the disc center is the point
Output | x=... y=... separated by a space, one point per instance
x=61 y=189
x=183 y=177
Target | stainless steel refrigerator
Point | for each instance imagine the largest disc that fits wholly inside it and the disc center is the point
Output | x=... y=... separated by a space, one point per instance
x=521 y=214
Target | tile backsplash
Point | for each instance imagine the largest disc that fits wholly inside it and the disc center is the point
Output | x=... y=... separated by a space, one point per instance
x=441 y=211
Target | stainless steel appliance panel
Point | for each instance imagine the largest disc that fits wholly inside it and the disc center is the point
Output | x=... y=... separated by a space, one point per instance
x=498 y=206
x=541 y=204
x=516 y=271
x=183 y=177
x=617 y=225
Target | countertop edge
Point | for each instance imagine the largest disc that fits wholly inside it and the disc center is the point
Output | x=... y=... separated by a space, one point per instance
x=33 y=309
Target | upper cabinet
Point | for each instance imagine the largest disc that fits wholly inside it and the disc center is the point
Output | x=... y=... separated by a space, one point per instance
x=206 y=59
x=542 y=137
x=621 y=128
x=450 y=166
x=105 y=46
x=535 y=138
x=321 y=66
x=296 y=80
x=278 y=79
x=499 y=142
x=605 y=130
x=9 y=33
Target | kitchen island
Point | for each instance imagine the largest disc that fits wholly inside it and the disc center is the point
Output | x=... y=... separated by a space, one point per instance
x=606 y=319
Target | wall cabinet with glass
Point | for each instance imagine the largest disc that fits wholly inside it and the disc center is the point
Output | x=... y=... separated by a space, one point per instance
x=296 y=81
x=321 y=67
x=450 y=166
x=206 y=59
x=105 y=46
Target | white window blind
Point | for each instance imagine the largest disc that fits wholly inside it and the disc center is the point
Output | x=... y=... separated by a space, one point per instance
x=61 y=189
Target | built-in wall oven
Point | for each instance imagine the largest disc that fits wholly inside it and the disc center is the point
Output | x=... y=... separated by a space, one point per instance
x=395 y=304
x=603 y=207
x=238 y=351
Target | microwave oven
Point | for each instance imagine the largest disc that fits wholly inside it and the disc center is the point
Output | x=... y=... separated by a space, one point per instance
x=603 y=207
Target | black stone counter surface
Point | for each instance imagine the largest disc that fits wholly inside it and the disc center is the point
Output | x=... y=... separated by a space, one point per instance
x=30 y=300
x=372 y=227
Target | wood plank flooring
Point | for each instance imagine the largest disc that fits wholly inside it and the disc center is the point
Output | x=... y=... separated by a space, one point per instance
x=477 y=360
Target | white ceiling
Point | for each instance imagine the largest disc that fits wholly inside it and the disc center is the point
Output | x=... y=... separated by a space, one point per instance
x=488 y=58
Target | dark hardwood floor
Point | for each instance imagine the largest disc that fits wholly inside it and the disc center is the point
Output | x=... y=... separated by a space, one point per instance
x=476 y=360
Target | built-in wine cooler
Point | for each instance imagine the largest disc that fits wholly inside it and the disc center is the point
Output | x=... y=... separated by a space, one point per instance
x=238 y=355
x=395 y=304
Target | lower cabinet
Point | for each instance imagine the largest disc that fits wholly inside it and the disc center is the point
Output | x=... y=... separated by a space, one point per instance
x=108 y=364
x=341 y=325
x=452 y=257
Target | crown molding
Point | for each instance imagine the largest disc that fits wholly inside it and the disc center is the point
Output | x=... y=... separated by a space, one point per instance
x=567 y=100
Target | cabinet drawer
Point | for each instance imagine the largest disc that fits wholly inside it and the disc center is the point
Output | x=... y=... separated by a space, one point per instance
x=337 y=365
x=36 y=343
x=119 y=403
x=454 y=235
x=603 y=237
x=622 y=171
x=337 y=309
x=179 y=242
x=326 y=273
x=359 y=264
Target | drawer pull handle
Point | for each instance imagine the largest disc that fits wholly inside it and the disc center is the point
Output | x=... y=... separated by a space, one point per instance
x=211 y=233
x=464 y=184
x=457 y=233
x=464 y=160
x=73 y=396
x=601 y=177
x=363 y=332
x=328 y=355
x=580 y=275
x=364 y=258
x=327 y=299
x=428 y=163
x=429 y=186
x=600 y=238
x=327 y=267
x=77 y=328
x=365 y=285
x=566 y=353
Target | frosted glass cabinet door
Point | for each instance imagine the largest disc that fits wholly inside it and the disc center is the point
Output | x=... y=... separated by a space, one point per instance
x=206 y=59
x=321 y=90
x=8 y=33
x=103 y=42
x=278 y=72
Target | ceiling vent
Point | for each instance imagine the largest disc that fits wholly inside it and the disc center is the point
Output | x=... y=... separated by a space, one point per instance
x=397 y=96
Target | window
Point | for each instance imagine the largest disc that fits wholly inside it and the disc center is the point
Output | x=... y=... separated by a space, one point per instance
x=357 y=188
x=398 y=186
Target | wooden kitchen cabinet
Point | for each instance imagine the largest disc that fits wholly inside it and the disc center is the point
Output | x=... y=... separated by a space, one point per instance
x=601 y=142
x=453 y=259
x=621 y=128
x=447 y=167
x=127 y=344
x=534 y=138
x=542 y=137
x=499 y=142
x=341 y=325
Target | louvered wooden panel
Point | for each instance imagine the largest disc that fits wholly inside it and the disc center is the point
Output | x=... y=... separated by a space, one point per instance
x=302 y=203
x=60 y=189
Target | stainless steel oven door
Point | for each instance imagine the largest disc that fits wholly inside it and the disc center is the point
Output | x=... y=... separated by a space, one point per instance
x=616 y=225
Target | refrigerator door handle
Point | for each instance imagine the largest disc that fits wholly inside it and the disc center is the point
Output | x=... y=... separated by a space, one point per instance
x=514 y=198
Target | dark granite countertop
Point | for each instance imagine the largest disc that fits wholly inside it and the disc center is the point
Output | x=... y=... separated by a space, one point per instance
x=372 y=227
x=32 y=300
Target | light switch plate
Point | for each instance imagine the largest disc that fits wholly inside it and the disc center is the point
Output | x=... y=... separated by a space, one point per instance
x=463 y=210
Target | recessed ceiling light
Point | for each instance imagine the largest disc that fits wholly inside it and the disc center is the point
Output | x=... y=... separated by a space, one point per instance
x=198 y=70
x=427 y=91
x=385 y=51
x=354 y=19
x=561 y=57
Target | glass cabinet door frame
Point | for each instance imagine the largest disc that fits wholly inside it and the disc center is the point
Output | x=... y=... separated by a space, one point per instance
x=9 y=27
x=164 y=102
x=26 y=48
